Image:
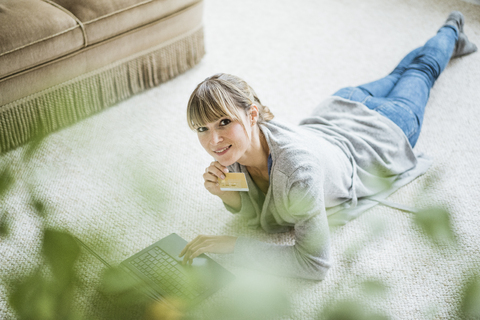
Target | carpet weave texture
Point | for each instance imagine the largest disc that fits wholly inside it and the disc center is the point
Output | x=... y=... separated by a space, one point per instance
x=132 y=174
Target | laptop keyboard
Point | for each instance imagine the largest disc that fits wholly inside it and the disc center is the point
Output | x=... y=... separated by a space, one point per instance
x=160 y=268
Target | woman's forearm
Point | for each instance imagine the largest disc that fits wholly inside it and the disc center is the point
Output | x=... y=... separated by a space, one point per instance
x=232 y=199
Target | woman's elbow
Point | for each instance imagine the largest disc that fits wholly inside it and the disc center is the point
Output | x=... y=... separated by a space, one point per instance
x=317 y=269
x=320 y=273
x=314 y=265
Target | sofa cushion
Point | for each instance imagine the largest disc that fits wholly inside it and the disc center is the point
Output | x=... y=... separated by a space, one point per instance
x=91 y=58
x=63 y=91
x=108 y=18
x=33 y=32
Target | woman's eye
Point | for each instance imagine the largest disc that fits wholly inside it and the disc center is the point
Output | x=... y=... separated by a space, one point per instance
x=224 y=122
x=201 y=129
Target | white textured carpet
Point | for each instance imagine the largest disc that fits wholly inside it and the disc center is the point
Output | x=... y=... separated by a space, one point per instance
x=92 y=177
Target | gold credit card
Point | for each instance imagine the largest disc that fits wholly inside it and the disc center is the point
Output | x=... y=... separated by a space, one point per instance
x=234 y=181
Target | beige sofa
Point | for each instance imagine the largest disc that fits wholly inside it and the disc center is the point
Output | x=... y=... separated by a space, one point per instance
x=63 y=60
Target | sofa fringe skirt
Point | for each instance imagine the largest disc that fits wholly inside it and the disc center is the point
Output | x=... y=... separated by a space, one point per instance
x=60 y=106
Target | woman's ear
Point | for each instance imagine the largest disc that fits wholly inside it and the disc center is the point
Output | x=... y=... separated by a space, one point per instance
x=253 y=114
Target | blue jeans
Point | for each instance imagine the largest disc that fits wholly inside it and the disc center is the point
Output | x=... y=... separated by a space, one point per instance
x=403 y=94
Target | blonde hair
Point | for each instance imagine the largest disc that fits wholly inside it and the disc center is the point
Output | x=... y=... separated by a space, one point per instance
x=223 y=95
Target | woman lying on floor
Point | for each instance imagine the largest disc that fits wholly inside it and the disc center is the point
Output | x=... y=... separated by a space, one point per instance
x=355 y=139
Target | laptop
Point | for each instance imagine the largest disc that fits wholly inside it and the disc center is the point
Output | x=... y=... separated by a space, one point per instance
x=160 y=269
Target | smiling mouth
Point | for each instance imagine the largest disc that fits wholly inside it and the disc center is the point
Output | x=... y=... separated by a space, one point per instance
x=222 y=151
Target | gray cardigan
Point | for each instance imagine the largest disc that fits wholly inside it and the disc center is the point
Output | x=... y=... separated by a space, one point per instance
x=324 y=169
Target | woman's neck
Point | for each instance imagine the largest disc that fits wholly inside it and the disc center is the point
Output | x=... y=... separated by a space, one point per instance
x=256 y=156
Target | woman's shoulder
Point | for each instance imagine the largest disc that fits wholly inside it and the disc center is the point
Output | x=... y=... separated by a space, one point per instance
x=292 y=148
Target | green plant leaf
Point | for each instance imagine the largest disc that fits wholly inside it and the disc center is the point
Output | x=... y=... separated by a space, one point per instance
x=45 y=304
x=29 y=299
x=435 y=223
x=115 y=280
x=39 y=208
x=255 y=298
x=4 y=227
x=374 y=288
x=124 y=290
x=33 y=146
x=471 y=299
x=6 y=181
x=350 y=310
x=61 y=251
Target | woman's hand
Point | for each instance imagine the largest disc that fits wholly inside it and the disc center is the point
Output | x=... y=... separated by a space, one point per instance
x=202 y=244
x=214 y=172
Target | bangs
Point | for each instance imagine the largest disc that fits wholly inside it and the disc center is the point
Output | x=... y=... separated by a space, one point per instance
x=207 y=105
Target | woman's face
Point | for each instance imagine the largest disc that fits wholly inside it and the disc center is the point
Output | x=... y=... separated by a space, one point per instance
x=224 y=139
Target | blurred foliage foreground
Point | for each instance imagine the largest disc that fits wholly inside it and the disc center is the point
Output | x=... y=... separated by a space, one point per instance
x=53 y=290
